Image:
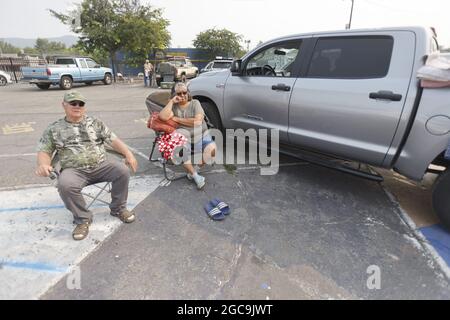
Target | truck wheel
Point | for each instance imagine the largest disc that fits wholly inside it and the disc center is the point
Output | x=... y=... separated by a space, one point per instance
x=3 y=81
x=43 y=86
x=441 y=198
x=66 y=83
x=212 y=118
x=108 y=79
x=158 y=82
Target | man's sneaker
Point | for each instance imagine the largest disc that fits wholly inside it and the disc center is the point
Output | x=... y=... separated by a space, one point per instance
x=125 y=216
x=81 y=231
x=199 y=180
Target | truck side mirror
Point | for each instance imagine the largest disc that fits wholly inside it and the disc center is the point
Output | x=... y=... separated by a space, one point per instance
x=236 y=67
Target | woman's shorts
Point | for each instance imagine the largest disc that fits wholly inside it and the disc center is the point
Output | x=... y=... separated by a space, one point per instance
x=201 y=144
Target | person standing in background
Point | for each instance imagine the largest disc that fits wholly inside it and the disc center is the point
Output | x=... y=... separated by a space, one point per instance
x=148 y=73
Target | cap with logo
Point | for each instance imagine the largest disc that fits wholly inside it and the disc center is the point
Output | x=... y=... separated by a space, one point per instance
x=74 y=96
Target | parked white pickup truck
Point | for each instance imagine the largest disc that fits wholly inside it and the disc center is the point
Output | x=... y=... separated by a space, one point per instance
x=181 y=69
x=350 y=94
x=65 y=71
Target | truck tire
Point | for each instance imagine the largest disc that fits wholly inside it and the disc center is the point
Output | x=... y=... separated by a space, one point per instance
x=212 y=116
x=66 y=83
x=3 y=81
x=43 y=86
x=108 y=79
x=441 y=198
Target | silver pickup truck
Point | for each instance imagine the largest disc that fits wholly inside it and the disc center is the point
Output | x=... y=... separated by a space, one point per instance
x=348 y=94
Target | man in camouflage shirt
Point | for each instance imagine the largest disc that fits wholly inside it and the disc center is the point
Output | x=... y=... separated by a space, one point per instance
x=78 y=141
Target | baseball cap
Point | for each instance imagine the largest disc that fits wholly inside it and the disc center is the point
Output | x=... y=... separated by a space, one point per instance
x=74 y=96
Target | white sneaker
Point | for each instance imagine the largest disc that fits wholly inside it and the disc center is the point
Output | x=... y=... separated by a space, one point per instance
x=199 y=180
x=197 y=169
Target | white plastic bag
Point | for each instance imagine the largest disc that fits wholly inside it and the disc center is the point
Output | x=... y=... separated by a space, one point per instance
x=436 y=68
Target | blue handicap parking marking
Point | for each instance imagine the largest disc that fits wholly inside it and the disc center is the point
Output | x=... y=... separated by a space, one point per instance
x=440 y=240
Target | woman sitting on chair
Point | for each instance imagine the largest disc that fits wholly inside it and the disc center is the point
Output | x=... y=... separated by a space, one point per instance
x=189 y=113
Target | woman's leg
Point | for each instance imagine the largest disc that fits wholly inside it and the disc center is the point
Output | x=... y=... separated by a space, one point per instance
x=189 y=167
x=208 y=154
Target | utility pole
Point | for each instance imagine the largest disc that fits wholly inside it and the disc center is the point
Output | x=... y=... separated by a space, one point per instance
x=349 y=25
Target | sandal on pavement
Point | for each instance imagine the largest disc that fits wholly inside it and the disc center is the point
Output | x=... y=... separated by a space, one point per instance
x=213 y=212
x=125 y=216
x=222 y=206
x=81 y=231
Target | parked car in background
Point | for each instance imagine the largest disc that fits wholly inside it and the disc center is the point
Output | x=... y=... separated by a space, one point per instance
x=66 y=71
x=350 y=95
x=217 y=64
x=182 y=67
x=5 y=78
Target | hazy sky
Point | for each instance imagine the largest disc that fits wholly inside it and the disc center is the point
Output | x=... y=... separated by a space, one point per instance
x=256 y=20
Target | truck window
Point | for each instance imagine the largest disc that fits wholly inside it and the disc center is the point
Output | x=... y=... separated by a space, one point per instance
x=274 y=61
x=65 y=61
x=83 y=64
x=91 y=63
x=351 y=57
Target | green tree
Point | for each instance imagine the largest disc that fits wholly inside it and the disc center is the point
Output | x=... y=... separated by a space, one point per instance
x=6 y=47
x=107 y=26
x=45 y=47
x=219 y=42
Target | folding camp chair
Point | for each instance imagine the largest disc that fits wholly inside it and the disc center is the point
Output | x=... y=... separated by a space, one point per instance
x=103 y=187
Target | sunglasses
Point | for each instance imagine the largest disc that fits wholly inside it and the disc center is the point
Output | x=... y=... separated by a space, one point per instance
x=77 y=103
x=182 y=93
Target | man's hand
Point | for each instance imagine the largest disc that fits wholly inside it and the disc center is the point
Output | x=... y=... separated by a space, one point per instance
x=44 y=170
x=131 y=161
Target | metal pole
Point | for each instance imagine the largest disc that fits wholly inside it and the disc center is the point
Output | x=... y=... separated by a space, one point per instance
x=351 y=14
x=14 y=71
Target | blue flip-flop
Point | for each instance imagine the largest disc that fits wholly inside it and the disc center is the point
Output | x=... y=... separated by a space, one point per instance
x=213 y=212
x=222 y=206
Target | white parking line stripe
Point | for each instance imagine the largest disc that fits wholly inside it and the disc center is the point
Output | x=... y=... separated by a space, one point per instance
x=17 y=155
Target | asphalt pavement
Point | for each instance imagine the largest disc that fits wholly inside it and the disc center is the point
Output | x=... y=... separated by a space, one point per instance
x=305 y=233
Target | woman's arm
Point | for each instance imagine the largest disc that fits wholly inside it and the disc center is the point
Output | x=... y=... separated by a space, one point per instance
x=167 y=113
x=190 y=122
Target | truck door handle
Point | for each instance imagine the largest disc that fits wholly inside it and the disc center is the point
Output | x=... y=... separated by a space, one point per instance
x=385 y=95
x=281 y=87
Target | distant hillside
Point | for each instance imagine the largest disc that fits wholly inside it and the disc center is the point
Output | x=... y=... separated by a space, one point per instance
x=22 y=43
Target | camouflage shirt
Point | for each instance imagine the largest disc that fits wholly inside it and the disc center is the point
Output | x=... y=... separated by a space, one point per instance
x=78 y=145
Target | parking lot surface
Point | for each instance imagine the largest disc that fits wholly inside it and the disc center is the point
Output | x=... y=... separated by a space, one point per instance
x=305 y=233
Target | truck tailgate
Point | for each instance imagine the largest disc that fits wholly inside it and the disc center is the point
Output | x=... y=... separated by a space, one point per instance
x=34 y=73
